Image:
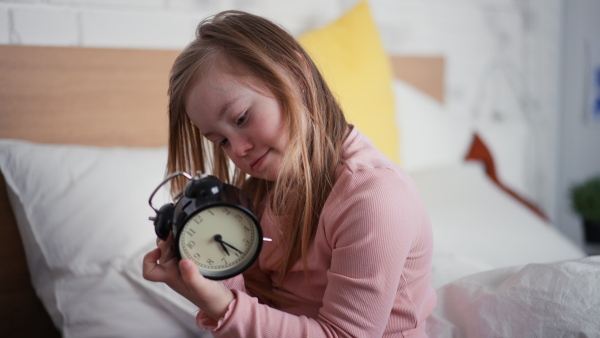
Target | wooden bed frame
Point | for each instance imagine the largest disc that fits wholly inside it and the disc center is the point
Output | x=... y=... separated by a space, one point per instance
x=104 y=97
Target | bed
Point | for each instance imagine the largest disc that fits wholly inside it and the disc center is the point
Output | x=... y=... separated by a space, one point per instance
x=82 y=145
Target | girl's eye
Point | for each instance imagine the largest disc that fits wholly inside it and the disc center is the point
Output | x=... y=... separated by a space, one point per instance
x=241 y=119
x=223 y=143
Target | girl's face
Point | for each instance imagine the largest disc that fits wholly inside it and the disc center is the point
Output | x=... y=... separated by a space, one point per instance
x=247 y=123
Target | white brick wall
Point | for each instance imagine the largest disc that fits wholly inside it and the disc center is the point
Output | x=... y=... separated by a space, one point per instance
x=117 y=4
x=4 y=28
x=137 y=30
x=43 y=25
x=142 y=23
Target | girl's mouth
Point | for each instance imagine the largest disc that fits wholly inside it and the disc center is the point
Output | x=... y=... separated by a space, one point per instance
x=259 y=162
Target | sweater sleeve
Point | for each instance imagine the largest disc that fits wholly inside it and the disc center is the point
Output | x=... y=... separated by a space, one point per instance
x=370 y=223
x=379 y=221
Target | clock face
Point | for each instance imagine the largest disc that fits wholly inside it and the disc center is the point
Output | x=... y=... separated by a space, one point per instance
x=222 y=240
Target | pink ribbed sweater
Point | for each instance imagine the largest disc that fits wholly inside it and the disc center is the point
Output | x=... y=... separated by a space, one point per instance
x=369 y=264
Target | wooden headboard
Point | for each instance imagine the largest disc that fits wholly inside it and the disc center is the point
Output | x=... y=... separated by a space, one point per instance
x=113 y=97
x=105 y=97
x=84 y=95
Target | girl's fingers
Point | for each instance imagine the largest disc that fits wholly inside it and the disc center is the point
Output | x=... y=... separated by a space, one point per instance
x=212 y=297
x=151 y=270
x=166 y=247
x=197 y=284
x=160 y=265
x=166 y=254
x=190 y=275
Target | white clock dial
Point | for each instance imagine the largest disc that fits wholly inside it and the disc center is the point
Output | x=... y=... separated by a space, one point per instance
x=221 y=240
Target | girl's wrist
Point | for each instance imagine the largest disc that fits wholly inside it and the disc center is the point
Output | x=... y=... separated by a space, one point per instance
x=219 y=308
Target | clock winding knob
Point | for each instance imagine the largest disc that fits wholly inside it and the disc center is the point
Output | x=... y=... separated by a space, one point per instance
x=164 y=221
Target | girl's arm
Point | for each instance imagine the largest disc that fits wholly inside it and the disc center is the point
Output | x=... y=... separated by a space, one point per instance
x=371 y=225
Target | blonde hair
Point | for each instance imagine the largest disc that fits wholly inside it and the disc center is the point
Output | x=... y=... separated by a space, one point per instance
x=315 y=124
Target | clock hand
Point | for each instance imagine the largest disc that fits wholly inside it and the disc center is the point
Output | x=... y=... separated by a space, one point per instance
x=225 y=248
x=231 y=246
x=219 y=239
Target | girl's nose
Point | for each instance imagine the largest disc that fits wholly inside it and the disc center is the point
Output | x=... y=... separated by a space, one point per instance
x=240 y=146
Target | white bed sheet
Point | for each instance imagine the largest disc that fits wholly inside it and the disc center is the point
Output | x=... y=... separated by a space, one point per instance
x=478 y=227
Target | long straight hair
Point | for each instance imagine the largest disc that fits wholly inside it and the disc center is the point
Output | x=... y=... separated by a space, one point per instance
x=313 y=119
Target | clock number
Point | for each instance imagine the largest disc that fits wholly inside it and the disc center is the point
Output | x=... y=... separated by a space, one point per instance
x=246 y=228
x=197 y=255
x=190 y=232
x=191 y=245
x=226 y=211
x=198 y=220
x=211 y=212
x=210 y=261
x=224 y=260
x=238 y=217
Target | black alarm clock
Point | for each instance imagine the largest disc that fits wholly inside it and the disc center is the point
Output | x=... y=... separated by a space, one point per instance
x=213 y=224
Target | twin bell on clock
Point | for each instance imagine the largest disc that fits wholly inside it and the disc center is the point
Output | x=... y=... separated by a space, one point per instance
x=213 y=224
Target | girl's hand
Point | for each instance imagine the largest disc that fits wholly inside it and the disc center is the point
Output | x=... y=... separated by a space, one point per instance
x=161 y=265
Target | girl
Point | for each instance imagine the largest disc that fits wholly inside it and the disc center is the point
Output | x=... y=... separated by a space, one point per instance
x=352 y=243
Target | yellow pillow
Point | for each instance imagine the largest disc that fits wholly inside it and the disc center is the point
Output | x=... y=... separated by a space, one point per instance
x=350 y=55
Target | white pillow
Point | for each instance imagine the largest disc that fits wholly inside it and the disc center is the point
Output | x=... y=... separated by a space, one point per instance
x=559 y=299
x=511 y=145
x=83 y=211
x=430 y=135
x=176 y=304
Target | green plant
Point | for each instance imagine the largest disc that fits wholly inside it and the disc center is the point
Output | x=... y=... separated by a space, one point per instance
x=585 y=199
